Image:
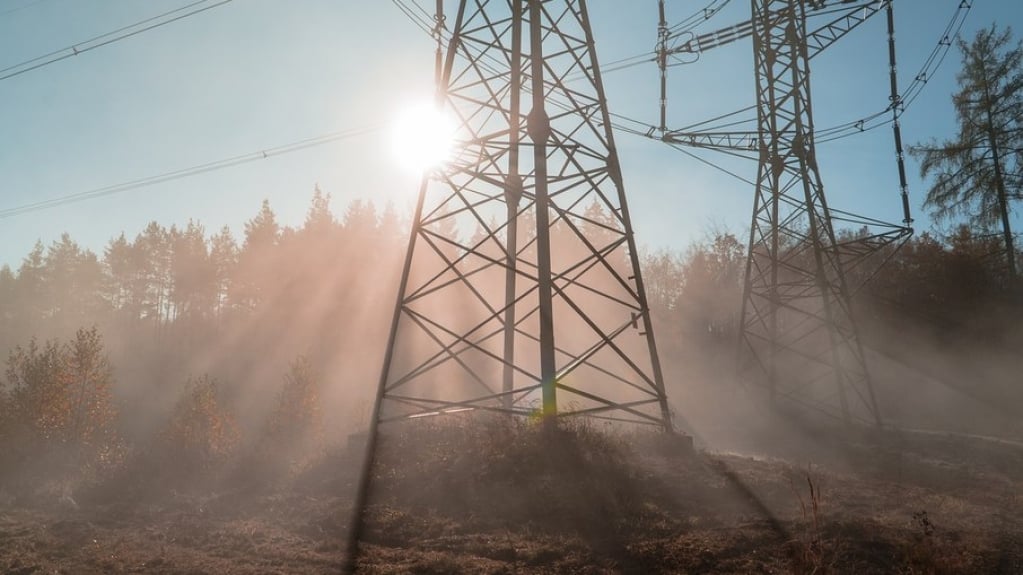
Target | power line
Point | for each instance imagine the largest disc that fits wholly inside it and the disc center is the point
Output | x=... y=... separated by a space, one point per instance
x=187 y=172
x=109 y=37
x=877 y=119
x=932 y=63
x=427 y=15
x=699 y=17
x=623 y=63
x=19 y=8
x=423 y=23
x=198 y=169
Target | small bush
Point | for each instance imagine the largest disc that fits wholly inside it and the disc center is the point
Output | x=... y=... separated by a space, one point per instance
x=201 y=434
x=59 y=419
x=295 y=427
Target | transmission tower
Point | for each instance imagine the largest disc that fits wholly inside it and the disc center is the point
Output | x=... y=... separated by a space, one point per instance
x=521 y=290
x=798 y=337
x=795 y=289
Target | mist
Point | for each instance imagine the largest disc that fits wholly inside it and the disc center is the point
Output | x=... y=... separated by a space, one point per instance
x=189 y=376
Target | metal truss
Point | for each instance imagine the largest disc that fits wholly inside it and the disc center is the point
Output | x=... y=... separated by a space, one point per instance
x=521 y=291
x=798 y=338
x=844 y=18
x=797 y=328
x=845 y=15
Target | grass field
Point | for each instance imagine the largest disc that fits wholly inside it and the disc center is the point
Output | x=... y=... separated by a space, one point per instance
x=513 y=497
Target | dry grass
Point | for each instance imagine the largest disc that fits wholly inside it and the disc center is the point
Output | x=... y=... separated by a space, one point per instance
x=507 y=496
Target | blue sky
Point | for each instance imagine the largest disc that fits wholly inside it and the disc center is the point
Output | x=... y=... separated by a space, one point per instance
x=255 y=74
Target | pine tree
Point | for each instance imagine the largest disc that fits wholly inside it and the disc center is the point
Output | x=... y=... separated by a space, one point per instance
x=977 y=173
x=223 y=260
x=262 y=231
x=360 y=220
x=31 y=291
x=392 y=229
x=256 y=260
x=8 y=291
x=192 y=274
x=153 y=262
x=74 y=277
x=319 y=220
x=118 y=273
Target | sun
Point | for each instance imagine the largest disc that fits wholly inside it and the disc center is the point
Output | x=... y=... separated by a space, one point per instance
x=422 y=137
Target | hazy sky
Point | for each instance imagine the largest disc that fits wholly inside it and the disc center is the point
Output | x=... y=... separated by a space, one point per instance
x=254 y=74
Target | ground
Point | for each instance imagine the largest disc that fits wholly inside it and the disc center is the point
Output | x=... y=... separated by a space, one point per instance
x=924 y=503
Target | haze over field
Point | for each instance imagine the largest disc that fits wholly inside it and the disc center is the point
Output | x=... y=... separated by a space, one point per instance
x=242 y=367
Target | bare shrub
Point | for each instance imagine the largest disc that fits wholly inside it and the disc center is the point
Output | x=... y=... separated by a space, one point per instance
x=811 y=551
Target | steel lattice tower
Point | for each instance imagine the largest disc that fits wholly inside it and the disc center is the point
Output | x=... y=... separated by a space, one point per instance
x=797 y=334
x=797 y=328
x=521 y=290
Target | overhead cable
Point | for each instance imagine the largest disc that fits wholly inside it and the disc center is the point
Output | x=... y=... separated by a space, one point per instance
x=423 y=23
x=187 y=172
x=699 y=17
x=932 y=63
x=110 y=37
x=19 y=8
x=409 y=12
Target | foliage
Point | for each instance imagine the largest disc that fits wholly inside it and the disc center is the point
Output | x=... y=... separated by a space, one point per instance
x=57 y=403
x=699 y=292
x=295 y=427
x=174 y=301
x=320 y=289
x=713 y=284
x=40 y=392
x=977 y=173
x=201 y=434
x=61 y=392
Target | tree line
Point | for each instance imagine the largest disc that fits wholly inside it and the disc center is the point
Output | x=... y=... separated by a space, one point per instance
x=159 y=333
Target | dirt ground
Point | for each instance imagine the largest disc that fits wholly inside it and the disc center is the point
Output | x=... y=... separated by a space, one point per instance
x=925 y=503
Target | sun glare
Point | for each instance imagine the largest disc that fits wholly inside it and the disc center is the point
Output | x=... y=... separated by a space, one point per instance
x=422 y=137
